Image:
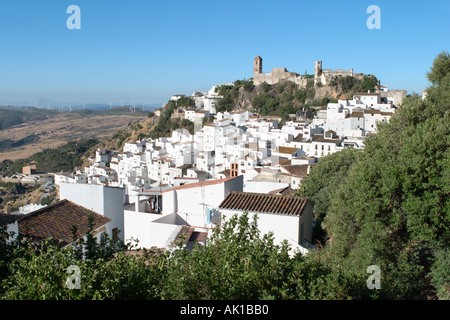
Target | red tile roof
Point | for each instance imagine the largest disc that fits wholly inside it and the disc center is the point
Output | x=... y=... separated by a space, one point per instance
x=298 y=170
x=287 y=150
x=265 y=203
x=57 y=220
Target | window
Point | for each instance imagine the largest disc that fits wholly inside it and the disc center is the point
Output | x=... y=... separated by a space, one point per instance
x=115 y=234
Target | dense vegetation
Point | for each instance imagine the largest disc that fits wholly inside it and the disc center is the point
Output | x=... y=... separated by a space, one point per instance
x=280 y=99
x=237 y=262
x=166 y=124
x=10 y=116
x=8 y=143
x=230 y=94
x=388 y=205
x=283 y=99
x=65 y=158
x=352 y=85
x=321 y=183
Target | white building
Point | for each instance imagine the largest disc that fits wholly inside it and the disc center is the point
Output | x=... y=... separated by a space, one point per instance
x=287 y=217
x=162 y=212
x=106 y=201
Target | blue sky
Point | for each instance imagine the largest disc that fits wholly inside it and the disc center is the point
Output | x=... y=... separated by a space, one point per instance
x=145 y=51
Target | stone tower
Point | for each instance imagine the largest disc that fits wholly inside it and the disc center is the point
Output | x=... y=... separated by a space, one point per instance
x=317 y=69
x=257 y=65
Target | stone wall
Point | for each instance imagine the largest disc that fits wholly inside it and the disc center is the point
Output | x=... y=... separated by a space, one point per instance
x=281 y=74
x=396 y=96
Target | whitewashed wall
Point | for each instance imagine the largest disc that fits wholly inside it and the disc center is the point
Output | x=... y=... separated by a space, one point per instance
x=106 y=201
x=138 y=226
x=284 y=227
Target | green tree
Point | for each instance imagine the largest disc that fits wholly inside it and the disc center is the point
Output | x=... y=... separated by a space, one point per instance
x=440 y=69
x=368 y=84
x=322 y=181
x=440 y=273
x=237 y=262
x=394 y=202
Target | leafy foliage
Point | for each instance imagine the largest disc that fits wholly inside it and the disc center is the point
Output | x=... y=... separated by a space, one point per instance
x=282 y=99
x=352 y=85
x=65 y=157
x=440 y=273
x=166 y=124
x=237 y=262
x=230 y=94
x=392 y=204
x=321 y=183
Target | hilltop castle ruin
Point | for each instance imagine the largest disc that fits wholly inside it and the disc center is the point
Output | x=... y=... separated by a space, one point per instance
x=323 y=76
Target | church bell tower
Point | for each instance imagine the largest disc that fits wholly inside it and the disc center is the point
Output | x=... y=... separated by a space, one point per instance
x=257 y=65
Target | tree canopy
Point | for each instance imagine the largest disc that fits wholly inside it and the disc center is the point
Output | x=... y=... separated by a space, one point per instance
x=391 y=207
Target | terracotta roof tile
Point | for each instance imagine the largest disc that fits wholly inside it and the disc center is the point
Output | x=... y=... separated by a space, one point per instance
x=321 y=138
x=265 y=203
x=287 y=150
x=298 y=170
x=57 y=220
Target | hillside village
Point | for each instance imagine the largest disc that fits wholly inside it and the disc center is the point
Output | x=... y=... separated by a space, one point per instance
x=155 y=190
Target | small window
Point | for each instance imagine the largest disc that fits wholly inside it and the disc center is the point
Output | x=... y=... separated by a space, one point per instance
x=115 y=234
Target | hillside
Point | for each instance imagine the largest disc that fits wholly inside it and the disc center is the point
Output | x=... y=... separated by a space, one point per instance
x=282 y=99
x=11 y=116
x=286 y=97
x=43 y=129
